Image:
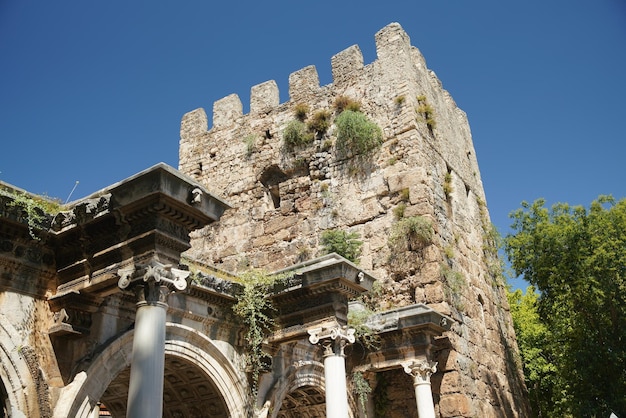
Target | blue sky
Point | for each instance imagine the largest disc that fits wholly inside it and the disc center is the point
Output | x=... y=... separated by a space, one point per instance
x=93 y=91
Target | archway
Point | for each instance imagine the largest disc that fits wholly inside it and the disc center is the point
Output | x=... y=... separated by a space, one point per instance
x=191 y=360
x=187 y=392
x=303 y=402
x=4 y=401
x=15 y=376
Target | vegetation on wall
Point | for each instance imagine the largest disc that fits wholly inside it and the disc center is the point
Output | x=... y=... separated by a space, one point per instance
x=35 y=210
x=346 y=244
x=411 y=234
x=357 y=134
x=345 y=103
x=254 y=308
x=455 y=286
x=407 y=239
x=319 y=122
x=492 y=243
x=250 y=142
x=301 y=111
x=296 y=134
x=362 y=389
x=426 y=112
x=447 y=184
x=357 y=319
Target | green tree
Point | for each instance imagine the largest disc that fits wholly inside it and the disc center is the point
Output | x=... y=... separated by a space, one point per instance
x=537 y=356
x=576 y=258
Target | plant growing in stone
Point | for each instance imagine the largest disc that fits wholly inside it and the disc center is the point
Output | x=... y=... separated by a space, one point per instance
x=320 y=122
x=427 y=112
x=455 y=285
x=412 y=233
x=357 y=319
x=398 y=211
x=301 y=111
x=357 y=134
x=362 y=389
x=345 y=103
x=250 y=142
x=296 y=133
x=447 y=184
x=255 y=309
x=346 y=244
x=36 y=210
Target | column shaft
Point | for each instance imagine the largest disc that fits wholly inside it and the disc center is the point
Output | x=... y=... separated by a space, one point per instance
x=424 y=397
x=421 y=371
x=336 y=387
x=145 y=392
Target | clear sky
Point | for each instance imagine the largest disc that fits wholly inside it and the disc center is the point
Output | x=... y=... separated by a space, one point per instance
x=93 y=91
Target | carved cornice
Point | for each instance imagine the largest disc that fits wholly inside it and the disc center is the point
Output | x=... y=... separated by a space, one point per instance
x=147 y=216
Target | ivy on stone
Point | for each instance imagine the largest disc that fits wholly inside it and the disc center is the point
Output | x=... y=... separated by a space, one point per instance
x=255 y=309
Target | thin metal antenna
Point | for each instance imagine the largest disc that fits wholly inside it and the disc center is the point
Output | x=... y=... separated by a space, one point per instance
x=70 y=195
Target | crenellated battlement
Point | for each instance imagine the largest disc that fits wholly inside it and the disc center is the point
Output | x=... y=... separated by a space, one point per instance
x=393 y=48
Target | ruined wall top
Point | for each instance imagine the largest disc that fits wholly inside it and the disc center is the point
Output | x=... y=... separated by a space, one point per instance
x=399 y=71
x=392 y=47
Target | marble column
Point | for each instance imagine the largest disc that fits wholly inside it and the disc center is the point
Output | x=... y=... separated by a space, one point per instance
x=421 y=370
x=334 y=340
x=152 y=284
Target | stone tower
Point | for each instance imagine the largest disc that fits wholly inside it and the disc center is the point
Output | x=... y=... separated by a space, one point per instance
x=285 y=196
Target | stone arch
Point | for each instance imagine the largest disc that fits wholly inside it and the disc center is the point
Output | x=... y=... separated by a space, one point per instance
x=303 y=379
x=81 y=396
x=15 y=375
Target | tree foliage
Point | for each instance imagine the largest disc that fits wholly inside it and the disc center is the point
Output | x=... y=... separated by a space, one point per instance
x=576 y=258
x=346 y=244
x=533 y=336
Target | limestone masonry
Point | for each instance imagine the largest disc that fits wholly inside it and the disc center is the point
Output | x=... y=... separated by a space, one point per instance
x=285 y=198
x=136 y=301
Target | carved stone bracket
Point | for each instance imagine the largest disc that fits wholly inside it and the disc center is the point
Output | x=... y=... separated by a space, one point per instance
x=421 y=370
x=336 y=339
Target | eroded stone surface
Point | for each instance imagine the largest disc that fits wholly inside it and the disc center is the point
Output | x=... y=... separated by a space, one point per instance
x=284 y=198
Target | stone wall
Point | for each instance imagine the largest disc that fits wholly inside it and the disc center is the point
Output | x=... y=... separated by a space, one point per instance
x=285 y=197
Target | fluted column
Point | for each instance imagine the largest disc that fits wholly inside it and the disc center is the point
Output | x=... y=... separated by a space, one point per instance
x=421 y=370
x=152 y=284
x=334 y=341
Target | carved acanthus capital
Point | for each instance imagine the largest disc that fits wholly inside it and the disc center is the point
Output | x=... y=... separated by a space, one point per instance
x=421 y=370
x=152 y=281
x=334 y=339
